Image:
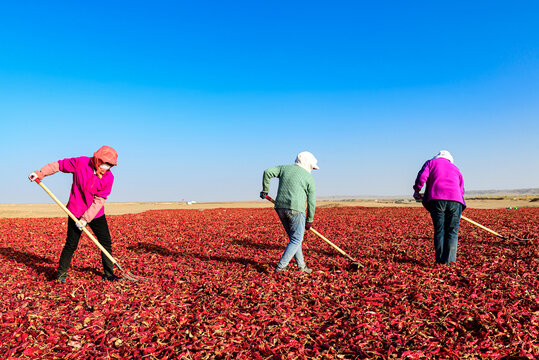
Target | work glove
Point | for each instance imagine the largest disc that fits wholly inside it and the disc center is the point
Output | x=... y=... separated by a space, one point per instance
x=35 y=175
x=308 y=225
x=81 y=224
x=417 y=196
x=263 y=195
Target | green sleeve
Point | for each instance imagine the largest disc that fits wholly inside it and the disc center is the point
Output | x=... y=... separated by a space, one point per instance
x=268 y=174
x=311 y=201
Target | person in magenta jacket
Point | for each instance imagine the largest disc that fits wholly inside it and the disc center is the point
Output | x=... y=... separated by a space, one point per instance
x=92 y=184
x=444 y=199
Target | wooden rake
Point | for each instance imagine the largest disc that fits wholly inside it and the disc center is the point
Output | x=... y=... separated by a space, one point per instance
x=519 y=240
x=126 y=274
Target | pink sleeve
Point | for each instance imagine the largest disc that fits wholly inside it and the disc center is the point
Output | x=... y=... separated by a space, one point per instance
x=68 y=165
x=422 y=176
x=92 y=211
x=49 y=169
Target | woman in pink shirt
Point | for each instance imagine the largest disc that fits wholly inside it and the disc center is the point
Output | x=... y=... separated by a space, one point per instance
x=444 y=199
x=92 y=184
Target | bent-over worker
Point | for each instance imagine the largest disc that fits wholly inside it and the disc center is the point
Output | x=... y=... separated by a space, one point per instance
x=444 y=199
x=296 y=187
x=92 y=184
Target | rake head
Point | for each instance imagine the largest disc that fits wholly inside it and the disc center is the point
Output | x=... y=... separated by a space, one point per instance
x=355 y=265
x=131 y=277
x=522 y=241
x=126 y=274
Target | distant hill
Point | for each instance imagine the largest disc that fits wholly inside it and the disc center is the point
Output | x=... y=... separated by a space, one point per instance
x=519 y=192
x=469 y=193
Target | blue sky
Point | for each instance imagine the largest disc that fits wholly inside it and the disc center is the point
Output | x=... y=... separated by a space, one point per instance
x=198 y=98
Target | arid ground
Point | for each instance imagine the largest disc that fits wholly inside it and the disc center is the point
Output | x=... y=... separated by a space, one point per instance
x=53 y=210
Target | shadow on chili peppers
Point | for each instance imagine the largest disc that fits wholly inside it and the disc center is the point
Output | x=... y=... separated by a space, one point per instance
x=88 y=269
x=30 y=260
x=142 y=247
x=398 y=256
x=33 y=261
x=229 y=259
x=255 y=245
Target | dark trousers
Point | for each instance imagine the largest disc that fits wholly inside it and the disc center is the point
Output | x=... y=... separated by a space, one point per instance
x=445 y=216
x=101 y=230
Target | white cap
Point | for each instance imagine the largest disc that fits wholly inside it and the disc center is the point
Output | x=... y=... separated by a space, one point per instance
x=444 y=154
x=307 y=161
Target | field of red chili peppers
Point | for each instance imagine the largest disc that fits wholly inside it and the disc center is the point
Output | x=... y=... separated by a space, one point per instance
x=211 y=292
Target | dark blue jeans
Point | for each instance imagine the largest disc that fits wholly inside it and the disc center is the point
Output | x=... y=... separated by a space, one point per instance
x=445 y=216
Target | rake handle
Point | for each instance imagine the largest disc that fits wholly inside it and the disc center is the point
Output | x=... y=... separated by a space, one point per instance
x=334 y=246
x=66 y=210
x=483 y=227
x=324 y=238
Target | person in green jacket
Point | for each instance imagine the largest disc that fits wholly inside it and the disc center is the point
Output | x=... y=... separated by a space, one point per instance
x=296 y=187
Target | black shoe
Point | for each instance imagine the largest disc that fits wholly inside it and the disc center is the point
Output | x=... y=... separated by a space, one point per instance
x=61 y=278
x=278 y=269
x=113 y=278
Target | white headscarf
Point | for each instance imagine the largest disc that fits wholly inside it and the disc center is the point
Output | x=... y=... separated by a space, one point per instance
x=444 y=154
x=307 y=161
